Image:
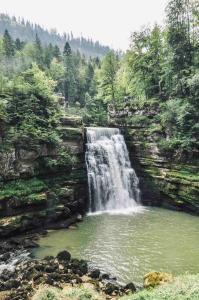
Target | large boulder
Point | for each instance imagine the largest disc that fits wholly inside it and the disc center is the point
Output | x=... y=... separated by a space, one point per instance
x=64 y=256
x=95 y=274
x=130 y=287
x=153 y=279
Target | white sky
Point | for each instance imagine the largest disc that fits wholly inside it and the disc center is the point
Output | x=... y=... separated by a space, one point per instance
x=109 y=21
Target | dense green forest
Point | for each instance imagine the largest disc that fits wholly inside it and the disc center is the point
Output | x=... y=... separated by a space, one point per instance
x=26 y=31
x=158 y=76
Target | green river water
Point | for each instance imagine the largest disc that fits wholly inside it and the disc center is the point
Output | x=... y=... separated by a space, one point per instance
x=129 y=246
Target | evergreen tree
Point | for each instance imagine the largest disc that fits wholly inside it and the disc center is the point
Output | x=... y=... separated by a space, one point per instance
x=69 y=84
x=8 y=44
x=18 y=44
x=56 y=52
x=108 y=73
x=67 y=49
x=38 y=51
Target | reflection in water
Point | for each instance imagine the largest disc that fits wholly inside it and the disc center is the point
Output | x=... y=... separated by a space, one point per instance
x=128 y=246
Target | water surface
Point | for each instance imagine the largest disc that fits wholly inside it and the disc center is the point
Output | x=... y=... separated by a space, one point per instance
x=129 y=246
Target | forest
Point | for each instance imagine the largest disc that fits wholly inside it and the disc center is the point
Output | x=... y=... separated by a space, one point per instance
x=160 y=70
x=26 y=31
x=99 y=156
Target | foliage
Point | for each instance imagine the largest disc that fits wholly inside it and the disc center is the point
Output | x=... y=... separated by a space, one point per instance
x=158 y=79
x=22 y=188
x=64 y=157
x=156 y=82
x=95 y=112
x=32 y=109
x=108 y=72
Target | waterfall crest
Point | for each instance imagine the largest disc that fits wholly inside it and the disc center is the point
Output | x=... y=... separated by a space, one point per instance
x=113 y=184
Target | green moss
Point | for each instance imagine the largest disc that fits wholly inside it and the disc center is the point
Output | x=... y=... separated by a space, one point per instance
x=41 y=197
x=70 y=132
x=184 y=174
x=20 y=188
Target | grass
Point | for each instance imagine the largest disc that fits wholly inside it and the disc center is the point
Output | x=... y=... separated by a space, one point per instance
x=185 y=287
x=51 y=293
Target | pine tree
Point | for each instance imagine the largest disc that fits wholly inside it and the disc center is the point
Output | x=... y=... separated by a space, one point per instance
x=108 y=76
x=56 y=52
x=39 y=51
x=8 y=44
x=67 y=49
x=18 y=44
x=69 y=84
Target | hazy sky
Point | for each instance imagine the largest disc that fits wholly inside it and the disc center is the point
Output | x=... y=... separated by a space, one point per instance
x=109 y=21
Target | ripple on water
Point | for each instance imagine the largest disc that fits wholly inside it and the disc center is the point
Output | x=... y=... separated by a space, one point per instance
x=130 y=245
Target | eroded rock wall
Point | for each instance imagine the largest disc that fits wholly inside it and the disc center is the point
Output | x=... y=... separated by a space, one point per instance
x=165 y=181
x=40 y=189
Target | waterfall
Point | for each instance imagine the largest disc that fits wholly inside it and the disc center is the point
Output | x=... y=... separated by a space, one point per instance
x=113 y=184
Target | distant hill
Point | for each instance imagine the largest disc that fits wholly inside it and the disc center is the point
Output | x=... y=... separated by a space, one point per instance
x=26 y=31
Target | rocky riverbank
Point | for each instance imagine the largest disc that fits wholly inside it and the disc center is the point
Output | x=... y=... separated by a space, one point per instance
x=23 y=278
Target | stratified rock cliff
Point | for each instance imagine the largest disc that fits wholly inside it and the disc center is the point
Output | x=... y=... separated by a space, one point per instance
x=165 y=180
x=40 y=187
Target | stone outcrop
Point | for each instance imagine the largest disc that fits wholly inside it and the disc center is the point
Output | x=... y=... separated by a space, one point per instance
x=164 y=180
x=40 y=189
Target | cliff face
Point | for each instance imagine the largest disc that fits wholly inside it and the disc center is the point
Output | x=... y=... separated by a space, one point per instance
x=38 y=187
x=164 y=181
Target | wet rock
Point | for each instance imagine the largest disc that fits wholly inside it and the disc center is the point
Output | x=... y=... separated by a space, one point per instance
x=49 y=280
x=105 y=277
x=84 y=268
x=95 y=274
x=55 y=276
x=111 y=288
x=64 y=256
x=2 y=286
x=6 y=275
x=5 y=257
x=130 y=287
x=74 y=265
x=40 y=267
x=11 y=284
x=51 y=269
x=29 y=244
x=48 y=258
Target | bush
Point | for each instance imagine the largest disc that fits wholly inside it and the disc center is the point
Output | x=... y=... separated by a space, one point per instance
x=21 y=188
x=48 y=293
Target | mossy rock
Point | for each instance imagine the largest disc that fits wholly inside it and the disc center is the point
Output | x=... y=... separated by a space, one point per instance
x=153 y=279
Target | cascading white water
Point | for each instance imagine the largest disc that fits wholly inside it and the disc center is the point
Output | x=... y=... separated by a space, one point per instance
x=113 y=184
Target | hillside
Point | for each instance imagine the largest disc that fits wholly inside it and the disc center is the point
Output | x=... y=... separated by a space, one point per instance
x=26 y=31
